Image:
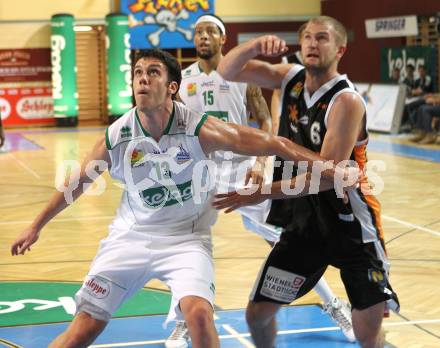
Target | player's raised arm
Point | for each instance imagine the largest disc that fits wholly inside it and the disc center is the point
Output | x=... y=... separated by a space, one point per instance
x=239 y=65
x=74 y=185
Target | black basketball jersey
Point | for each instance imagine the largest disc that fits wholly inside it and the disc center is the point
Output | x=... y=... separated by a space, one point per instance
x=303 y=120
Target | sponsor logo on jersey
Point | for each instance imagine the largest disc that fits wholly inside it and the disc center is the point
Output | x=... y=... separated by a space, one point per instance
x=159 y=197
x=296 y=90
x=224 y=87
x=187 y=73
x=377 y=276
x=304 y=120
x=212 y=288
x=125 y=132
x=191 y=89
x=208 y=84
x=183 y=155
x=281 y=285
x=137 y=156
x=97 y=287
x=322 y=106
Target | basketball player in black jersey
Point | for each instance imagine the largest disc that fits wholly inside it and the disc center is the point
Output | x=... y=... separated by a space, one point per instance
x=322 y=111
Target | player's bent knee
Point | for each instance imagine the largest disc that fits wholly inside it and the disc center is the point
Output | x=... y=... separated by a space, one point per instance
x=200 y=316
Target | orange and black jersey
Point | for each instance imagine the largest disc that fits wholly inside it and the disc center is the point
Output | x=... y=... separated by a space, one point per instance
x=304 y=121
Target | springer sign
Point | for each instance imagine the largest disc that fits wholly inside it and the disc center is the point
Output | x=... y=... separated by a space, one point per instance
x=391 y=27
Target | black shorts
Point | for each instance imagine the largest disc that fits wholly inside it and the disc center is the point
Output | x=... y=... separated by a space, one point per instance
x=300 y=258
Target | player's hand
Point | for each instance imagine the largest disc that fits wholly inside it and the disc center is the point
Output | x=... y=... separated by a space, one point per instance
x=270 y=46
x=346 y=179
x=256 y=173
x=24 y=241
x=237 y=199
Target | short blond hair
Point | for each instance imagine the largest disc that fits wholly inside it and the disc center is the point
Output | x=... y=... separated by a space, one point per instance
x=338 y=27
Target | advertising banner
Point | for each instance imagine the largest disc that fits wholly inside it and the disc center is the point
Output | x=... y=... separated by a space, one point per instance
x=26 y=105
x=391 y=27
x=64 y=90
x=164 y=23
x=119 y=91
x=25 y=65
x=399 y=57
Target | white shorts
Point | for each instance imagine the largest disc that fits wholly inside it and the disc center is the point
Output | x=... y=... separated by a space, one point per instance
x=254 y=220
x=123 y=266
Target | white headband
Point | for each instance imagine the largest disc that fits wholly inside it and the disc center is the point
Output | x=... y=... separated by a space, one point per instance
x=212 y=19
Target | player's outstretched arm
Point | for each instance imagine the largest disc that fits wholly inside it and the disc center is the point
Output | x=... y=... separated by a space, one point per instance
x=217 y=135
x=239 y=65
x=59 y=202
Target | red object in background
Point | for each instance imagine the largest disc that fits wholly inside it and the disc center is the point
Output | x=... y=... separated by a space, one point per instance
x=24 y=65
x=26 y=106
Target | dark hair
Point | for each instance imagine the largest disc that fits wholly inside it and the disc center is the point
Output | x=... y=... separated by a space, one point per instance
x=213 y=15
x=410 y=66
x=173 y=66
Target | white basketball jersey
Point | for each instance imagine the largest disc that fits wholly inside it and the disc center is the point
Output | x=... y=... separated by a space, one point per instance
x=164 y=181
x=213 y=95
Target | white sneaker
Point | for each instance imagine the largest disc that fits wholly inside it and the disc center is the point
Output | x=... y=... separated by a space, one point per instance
x=340 y=311
x=179 y=337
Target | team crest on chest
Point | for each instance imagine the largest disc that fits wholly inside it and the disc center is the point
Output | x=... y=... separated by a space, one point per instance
x=191 y=89
x=183 y=155
x=136 y=156
x=296 y=90
x=293 y=117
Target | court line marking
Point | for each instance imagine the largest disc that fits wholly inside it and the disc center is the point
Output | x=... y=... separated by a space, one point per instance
x=281 y=332
x=27 y=168
x=237 y=336
x=408 y=224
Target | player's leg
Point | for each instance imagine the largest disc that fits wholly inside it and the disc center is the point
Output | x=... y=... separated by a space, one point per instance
x=290 y=271
x=260 y=317
x=199 y=318
x=367 y=325
x=114 y=276
x=81 y=332
x=368 y=289
x=185 y=264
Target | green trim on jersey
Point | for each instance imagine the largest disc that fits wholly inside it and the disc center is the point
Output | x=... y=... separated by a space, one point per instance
x=170 y=122
x=201 y=122
x=140 y=124
x=167 y=128
x=107 y=140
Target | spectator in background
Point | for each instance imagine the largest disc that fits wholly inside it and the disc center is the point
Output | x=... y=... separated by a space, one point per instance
x=409 y=80
x=416 y=91
x=423 y=84
x=395 y=75
x=426 y=115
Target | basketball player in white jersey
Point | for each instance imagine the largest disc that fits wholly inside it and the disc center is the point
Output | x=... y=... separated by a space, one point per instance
x=158 y=150
x=203 y=89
